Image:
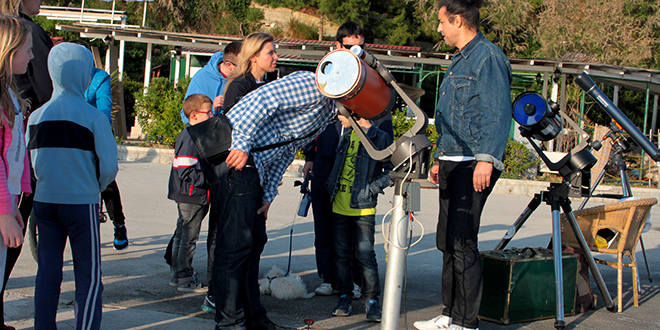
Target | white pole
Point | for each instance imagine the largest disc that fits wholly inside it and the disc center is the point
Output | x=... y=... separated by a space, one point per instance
x=147 y=67
x=396 y=265
x=144 y=15
x=82 y=8
x=112 y=16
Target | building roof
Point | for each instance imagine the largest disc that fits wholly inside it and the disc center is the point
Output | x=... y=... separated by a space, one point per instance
x=400 y=56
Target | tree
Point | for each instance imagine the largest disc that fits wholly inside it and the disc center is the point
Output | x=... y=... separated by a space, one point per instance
x=608 y=30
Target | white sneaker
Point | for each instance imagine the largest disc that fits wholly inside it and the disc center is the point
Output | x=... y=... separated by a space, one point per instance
x=357 y=291
x=458 y=327
x=325 y=289
x=436 y=323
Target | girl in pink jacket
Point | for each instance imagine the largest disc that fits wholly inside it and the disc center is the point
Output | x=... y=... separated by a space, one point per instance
x=15 y=54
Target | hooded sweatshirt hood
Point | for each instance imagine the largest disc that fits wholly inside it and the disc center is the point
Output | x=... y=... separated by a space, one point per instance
x=208 y=81
x=70 y=67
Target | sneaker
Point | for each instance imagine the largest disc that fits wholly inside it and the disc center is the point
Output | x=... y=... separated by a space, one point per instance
x=458 y=327
x=438 y=322
x=121 y=240
x=209 y=304
x=191 y=284
x=357 y=292
x=174 y=279
x=372 y=309
x=325 y=289
x=343 y=307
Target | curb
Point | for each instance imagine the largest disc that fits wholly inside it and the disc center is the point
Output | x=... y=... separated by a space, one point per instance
x=503 y=186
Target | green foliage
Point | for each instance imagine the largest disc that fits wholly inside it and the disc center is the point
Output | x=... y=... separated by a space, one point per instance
x=518 y=160
x=402 y=123
x=299 y=30
x=158 y=111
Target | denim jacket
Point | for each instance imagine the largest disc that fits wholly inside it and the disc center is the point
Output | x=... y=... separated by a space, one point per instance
x=371 y=176
x=473 y=115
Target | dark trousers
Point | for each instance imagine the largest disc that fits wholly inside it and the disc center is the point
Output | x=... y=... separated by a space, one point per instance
x=458 y=227
x=241 y=236
x=354 y=237
x=323 y=229
x=186 y=236
x=80 y=223
x=210 y=245
x=112 y=201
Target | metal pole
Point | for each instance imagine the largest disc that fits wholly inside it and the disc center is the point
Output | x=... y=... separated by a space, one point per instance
x=396 y=264
x=559 y=272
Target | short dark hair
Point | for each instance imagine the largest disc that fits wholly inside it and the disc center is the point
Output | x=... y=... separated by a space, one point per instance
x=194 y=102
x=231 y=51
x=468 y=9
x=348 y=29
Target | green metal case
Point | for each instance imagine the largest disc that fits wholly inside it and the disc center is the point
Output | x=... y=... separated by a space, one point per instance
x=519 y=285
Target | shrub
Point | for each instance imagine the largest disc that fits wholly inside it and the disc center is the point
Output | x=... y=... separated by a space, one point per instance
x=518 y=161
x=403 y=123
x=158 y=110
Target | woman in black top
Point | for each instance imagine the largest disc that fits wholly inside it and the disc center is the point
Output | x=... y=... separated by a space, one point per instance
x=257 y=57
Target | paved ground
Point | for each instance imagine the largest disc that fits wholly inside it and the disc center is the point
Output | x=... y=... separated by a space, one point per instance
x=137 y=295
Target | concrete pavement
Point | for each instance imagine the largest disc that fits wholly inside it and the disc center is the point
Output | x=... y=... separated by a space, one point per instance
x=137 y=295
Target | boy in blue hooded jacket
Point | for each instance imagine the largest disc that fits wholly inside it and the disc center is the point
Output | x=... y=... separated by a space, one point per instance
x=74 y=156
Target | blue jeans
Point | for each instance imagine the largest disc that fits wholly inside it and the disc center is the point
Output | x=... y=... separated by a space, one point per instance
x=186 y=236
x=354 y=236
x=458 y=227
x=241 y=236
x=80 y=223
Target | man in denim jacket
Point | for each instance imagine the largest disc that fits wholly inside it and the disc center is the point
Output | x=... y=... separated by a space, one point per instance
x=472 y=118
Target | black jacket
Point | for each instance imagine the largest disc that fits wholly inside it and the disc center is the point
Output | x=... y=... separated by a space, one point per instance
x=238 y=88
x=35 y=85
x=187 y=183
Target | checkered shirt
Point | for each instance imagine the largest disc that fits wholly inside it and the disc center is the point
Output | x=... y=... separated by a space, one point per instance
x=282 y=110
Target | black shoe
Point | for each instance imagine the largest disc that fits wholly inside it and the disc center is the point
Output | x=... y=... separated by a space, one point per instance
x=372 y=308
x=343 y=307
x=209 y=304
x=121 y=240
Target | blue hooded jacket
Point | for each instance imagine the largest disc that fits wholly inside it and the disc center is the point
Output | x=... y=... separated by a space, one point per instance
x=72 y=149
x=208 y=81
x=99 y=92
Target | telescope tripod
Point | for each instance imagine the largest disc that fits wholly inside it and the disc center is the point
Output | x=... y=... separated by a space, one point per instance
x=557 y=197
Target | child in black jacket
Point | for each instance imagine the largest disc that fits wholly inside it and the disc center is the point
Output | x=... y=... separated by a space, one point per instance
x=188 y=188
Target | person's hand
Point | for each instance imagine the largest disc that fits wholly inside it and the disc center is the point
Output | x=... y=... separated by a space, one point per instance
x=481 y=177
x=10 y=227
x=307 y=168
x=264 y=209
x=237 y=159
x=433 y=175
x=218 y=102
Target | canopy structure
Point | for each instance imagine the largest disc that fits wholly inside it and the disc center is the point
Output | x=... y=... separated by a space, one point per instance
x=554 y=73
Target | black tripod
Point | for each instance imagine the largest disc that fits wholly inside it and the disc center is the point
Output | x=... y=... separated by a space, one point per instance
x=574 y=169
x=557 y=196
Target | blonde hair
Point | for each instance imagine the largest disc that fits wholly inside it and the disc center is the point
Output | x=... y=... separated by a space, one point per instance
x=10 y=7
x=252 y=45
x=13 y=33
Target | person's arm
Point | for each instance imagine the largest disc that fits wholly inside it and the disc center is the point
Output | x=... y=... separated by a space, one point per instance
x=186 y=163
x=104 y=97
x=383 y=180
x=495 y=95
x=106 y=151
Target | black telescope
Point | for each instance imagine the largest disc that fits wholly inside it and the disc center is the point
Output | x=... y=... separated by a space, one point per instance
x=587 y=84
